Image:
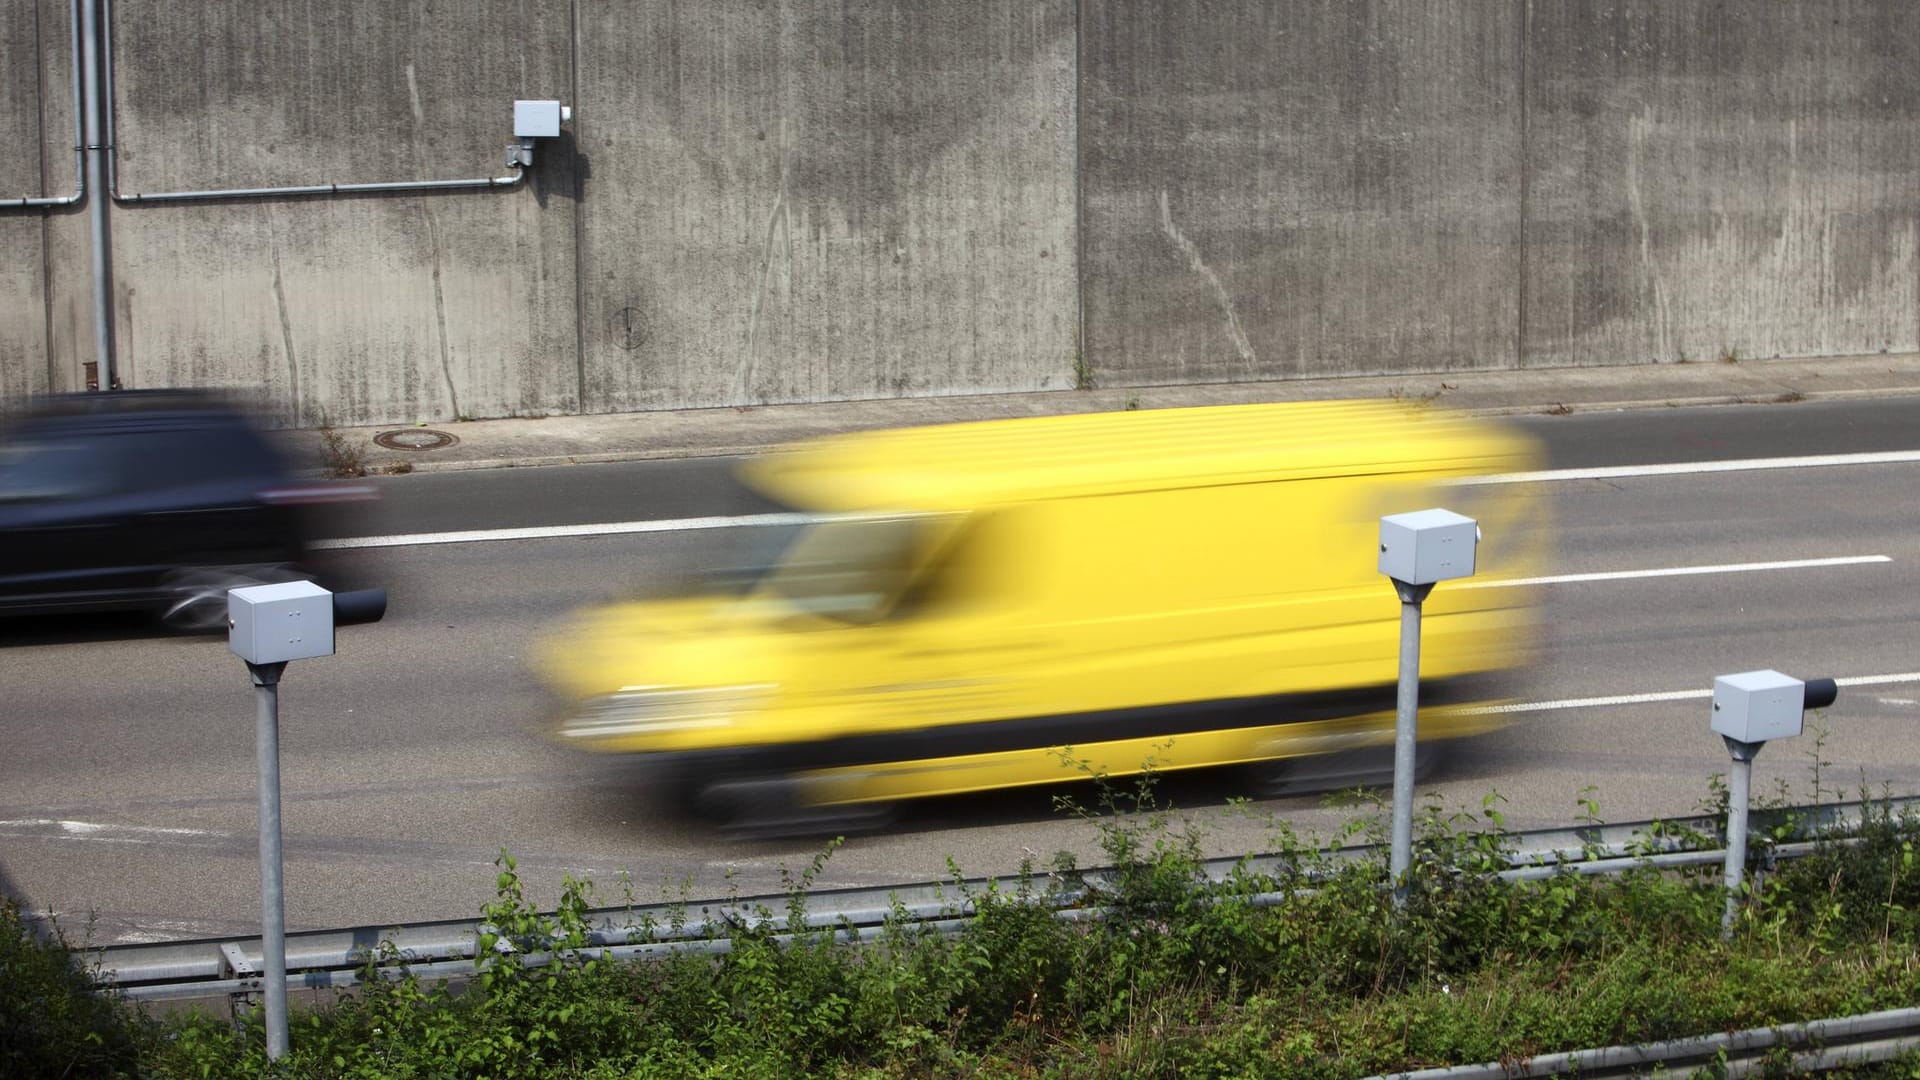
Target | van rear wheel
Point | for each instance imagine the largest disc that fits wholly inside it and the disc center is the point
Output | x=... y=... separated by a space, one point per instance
x=1342 y=770
x=770 y=807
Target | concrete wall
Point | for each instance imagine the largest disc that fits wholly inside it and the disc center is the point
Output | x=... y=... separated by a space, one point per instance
x=1314 y=187
x=32 y=168
x=1707 y=178
x=830 y=199
x=803 y=200
x=369 y=308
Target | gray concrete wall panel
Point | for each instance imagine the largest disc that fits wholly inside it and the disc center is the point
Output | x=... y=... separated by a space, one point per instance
x=1304 y=188
x=1721 y=179
x=807 y=200
x=34 y=166
x=814 y=201
x=369 y=308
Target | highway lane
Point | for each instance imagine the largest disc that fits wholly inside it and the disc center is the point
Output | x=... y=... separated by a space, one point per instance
x=698 y=487
x=407 y=763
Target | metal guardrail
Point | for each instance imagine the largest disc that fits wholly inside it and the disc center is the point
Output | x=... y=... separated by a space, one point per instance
x=1814 y=1046
x=334 y=959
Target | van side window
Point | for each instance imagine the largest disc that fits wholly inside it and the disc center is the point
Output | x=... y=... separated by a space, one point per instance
x=960 y=575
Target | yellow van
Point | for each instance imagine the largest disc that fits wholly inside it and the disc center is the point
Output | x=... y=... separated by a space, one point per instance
x=1168 y=589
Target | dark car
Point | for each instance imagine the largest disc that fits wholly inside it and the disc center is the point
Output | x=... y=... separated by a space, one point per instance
x=148 y=499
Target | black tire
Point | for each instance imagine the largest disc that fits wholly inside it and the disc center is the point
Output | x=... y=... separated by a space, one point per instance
x=1343 y=770
x=769 y=807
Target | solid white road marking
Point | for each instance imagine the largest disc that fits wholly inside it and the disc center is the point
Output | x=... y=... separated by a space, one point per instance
x=1592 y=702
x=1673 y=571
x=1667 y=695
x=546 y=532
x=52 y=828
x=619 y=528
x=1692 y=468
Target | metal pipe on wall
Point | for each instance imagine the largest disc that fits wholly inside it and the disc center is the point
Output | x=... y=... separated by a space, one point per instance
x=113 y=172
x=97 y=206
x=79 y=133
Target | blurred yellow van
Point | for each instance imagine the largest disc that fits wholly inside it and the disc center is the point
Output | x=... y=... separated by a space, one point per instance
x=1019 y=602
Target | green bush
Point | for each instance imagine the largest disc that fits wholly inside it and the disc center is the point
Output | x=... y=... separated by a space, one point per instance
x=1303 y=971
x=52 y=1024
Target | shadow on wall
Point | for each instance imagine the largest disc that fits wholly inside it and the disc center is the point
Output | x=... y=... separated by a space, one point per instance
x=562 y=169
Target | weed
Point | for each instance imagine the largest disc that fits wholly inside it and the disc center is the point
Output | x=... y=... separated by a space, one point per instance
x=339 y=457
x=1400 y=393
x=1133 y=402
x=398 y=468
x=1730 y=355
x=1789 y=397
x=50 y=1024
x=1082 y=367
x=1560 y=409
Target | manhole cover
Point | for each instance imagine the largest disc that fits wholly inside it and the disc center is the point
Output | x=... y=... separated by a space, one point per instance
x=415 y=439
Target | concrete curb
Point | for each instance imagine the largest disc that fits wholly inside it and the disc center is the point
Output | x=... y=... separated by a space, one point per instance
x=381 y=466
x=599 y=438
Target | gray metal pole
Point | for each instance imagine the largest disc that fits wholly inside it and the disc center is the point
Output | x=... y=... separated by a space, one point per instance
x=1739 y=789
x=1405 y=736
x=97 y=202
x=273 y=904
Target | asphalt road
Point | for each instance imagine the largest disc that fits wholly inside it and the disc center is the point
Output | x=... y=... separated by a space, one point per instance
x=127 y=790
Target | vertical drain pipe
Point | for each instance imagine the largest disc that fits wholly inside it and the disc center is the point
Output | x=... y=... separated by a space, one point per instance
x=98 y=202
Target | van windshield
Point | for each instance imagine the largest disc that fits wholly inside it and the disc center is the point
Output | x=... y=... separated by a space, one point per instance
x=851 y=569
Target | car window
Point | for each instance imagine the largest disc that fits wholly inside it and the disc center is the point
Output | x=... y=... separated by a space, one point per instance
x=177 y=457
x=56 y=468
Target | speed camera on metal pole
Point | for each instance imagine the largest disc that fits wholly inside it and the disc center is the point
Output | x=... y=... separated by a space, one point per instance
x=1417 y=551
x=1750 y=710
x=269 y=626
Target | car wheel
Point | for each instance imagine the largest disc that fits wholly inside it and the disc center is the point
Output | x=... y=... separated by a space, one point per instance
x=197 y=601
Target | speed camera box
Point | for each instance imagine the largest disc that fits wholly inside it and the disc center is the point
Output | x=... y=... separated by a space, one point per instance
x=1427 y=546
x=1758 y=706
x=268 y=624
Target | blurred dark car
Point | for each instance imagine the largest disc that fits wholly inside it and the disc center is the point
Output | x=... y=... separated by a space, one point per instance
x=149 y=499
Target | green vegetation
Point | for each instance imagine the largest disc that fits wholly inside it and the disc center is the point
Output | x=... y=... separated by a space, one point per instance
x=339 y=457
x=1082 y=367
x=1302 y=973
